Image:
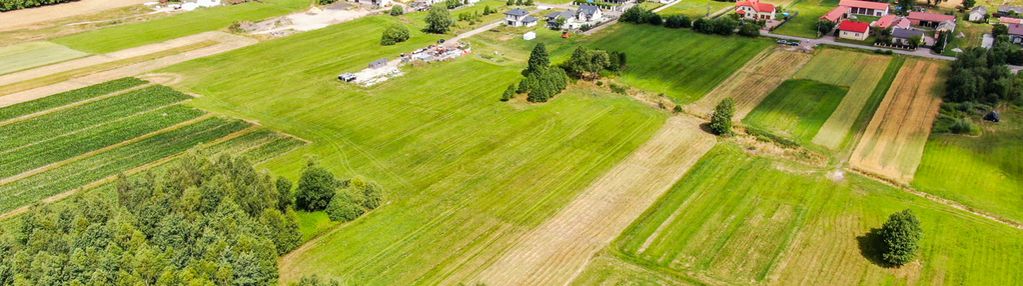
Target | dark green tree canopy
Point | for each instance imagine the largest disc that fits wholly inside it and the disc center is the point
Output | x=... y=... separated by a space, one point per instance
x=721 y=120
x=315 y=188
x=900 y=235
x=438 y=21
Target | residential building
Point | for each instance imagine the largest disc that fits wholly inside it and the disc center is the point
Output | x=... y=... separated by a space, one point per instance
x=836 y=15
x=519 y=18
x=853 y=30
x=978 y=14
x=906 y=37
x=889 y=22
x=1006 y=10
x=945 y=27
x=1016 y=33
x=931 y=20
x=569 y=20
x=754 y=10
x=867 y=8
x=1007 y=20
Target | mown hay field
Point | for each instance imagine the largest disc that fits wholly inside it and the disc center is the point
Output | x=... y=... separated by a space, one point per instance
x=893 y=143
x=796 y=109
x=858 y=71
x=984 y=172
x=453 y=158
x=753 y=82
x=805 y=24
x=696 y=8
x=738 y=219
x=32 y=54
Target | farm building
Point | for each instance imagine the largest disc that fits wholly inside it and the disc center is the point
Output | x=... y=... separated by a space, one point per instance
x=978 y=14
x=853 y=30
x=926 y=19
x=890 y=21
x=1006 y=10
x=836 y=14
x=867 y=8
x=754 y=10
x=906 y=37
x=378 y=63
x=1007 y=20
x=519 y=18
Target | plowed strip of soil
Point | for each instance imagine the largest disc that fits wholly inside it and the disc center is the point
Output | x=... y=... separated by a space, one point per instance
x=894 y=140
x=557 y=250
x=753 y=82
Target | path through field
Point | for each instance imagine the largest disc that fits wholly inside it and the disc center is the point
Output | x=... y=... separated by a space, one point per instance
x=20 y=18
x=894 y=141
x=561 y=247
x=751 y=84
x=225 y=42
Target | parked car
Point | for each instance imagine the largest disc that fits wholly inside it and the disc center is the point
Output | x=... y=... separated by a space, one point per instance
x=346 y=77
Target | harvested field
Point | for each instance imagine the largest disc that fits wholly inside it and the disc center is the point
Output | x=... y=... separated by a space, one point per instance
x=20 y=18
x=893 y=143
x=558 y=249
x=753 y=82
x=861 y=72
x=33 y=54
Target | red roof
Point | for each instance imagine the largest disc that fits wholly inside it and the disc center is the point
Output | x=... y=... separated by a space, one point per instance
x=884 y=22
x=930 y=17
x=1007 y=20
x=864 y=4
x=853 y=26
x=756 y=5
x=836 y=14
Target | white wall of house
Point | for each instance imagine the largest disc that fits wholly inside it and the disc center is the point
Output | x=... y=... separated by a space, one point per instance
x=852 y=35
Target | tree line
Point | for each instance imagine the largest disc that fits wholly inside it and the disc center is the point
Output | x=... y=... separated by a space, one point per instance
x=543 y=80
x=979 y=80
x=9 y=5
x=724 y=25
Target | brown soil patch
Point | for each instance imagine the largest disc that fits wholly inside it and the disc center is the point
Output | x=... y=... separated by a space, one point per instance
x=753 y=82
x=893 y=142
x=25 y=17
x=560 y=248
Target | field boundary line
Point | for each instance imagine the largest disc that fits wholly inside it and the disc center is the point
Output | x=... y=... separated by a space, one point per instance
x=57 y=164
x=72 y=105
x=100 y=182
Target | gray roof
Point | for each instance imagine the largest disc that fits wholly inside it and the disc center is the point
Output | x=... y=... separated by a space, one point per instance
x=906 y=33
x=979 y=9
x=528 y=19
x=517 y=12
x=1007 y=8
x=588 y=9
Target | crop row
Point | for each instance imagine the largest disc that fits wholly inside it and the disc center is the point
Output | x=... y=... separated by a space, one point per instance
x=280 y=145
x=16 y=161
x=68 y=97
x=85 y=116
x=112 y=162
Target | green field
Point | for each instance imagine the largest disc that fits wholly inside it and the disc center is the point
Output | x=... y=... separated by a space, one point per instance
x=696 y=8
x=683 y=65
x=805 y=24
x=33 y=54
x=796 y=109
x=983 y=172
x=69 y=97
x=737 y=219
x=202 y=20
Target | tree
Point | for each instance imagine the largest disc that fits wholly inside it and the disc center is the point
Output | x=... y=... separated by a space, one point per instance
x=652 y=18
x=394 y=34
x=344 y=207
x=396 y=10
x=316 y=187
x=967 y=4
x=509 y=93
x=749 y=29
x=538 y=60
x=905 y=6
x=510 y=3
x=678 y=21
x=721 y=120
x=588 y=63
x=900 y=235
x=633 y=15
x=438 y=21
x=939 y=43
x=284 y=198
x=999 y=29
x=824 y=26
x=528 y=3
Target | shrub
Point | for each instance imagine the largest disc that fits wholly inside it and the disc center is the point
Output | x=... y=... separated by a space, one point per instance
x=677 y=109
x=633 y=15
x=749 y=29
x=344 y=207
x=325 y=2
x=652 y=18
x=900 y=235
x=509 y=93
x=721 y=120
x=284 y=198
x=438 y=21
x=316 y=187
x=397 y=10
x=394 y=34
x=619 y=89
x=678 y=21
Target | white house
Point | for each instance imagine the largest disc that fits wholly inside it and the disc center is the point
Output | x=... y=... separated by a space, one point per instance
x=978 y=14
x=519 y=18
x=853 y=30
x=754 y=10
x=569 y=20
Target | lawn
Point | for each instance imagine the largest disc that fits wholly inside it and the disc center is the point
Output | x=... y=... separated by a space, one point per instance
x=983 y=172
x=33 y=54
x=696 y=8
x=796 y=109
x=805 y=24
x=682 y=64
x=137 y=34
x=737 y=219
x=464 y=173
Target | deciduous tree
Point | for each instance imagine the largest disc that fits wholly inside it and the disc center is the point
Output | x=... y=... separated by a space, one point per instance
x=721 y=120
x=900 y=235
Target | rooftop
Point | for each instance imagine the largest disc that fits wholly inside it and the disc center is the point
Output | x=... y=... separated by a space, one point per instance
x=756 y=5
x=853 y=26
x=906 y=33
x=864 y=4
x=836 y=14
x=517 y=12
x=930 y=17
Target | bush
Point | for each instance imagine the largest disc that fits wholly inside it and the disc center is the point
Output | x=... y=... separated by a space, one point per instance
x=900 y=235
x=438 y=21
x=678 y=21
x=721 y=120
x=344 y=207
x=619 y=89
x=652 y=18
x=396 y=10
x=509 y=93
x=677 y=109
x=8 y=5
x=749 y=29
x=394 y=34
x=633 y=15
x=325 y=2
x=284 y=198
x=316 y=188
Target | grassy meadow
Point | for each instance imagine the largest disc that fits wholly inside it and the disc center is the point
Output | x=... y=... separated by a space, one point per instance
x=696 y=8
x=805 y=24
x=33 y=54
x=796 y=109
x=738 y=219
x=984 y=172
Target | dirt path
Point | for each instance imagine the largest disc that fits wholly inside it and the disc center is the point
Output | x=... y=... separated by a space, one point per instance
x=227 y=42
x=20 y=18
x=753 y=82
x=560 y=248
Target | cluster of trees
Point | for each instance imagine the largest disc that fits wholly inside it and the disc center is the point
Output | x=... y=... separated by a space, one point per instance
x=542 y=81
x=343 y=200
x=452 y=4
x=678 y=21
x=201 y=222
x=721 y=119
x=721 y=25
x=438 y=21
x=900 y=236
x=638 y=15
x=824 y=27
x=588 y=64
x=487 y=10
x=979 y=79
x=8 y=5
x=394 y=34
x=519 y=3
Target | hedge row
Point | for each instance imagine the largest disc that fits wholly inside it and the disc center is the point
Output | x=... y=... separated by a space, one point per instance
x=8 y=5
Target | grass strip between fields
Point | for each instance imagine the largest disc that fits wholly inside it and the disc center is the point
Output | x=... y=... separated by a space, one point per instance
x=112 y=162
x=68 y=97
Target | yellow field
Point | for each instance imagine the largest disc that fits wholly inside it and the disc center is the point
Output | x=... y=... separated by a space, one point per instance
x=893 y=143
x=753 y=82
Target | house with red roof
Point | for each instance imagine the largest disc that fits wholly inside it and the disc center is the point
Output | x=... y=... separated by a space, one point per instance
x=929 y=19
x=891 y=21
x=853 y=30
x=754 y=10
x=836 y=14
x=867 y=8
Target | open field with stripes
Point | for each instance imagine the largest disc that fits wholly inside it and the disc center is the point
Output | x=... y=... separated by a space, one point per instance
x=753 y=82
x=797 y=109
